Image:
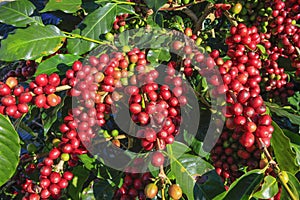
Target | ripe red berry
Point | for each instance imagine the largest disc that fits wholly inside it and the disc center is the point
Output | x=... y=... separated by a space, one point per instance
x=41 y=80
x=40 y=101
x=157 y=159
x=54 y=154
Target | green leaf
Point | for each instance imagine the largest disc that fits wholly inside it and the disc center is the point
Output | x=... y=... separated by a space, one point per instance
x=295 y=119
x=98 y=22
x=58 y=63
x=17 y=13
x=122 y=9
x=103 y=190
x=88 y=162
x=50 y=115
x=155 y=4
x=211 y=187
x=76 y=185
x=285 y=157
x=31 y=43
x=294 y=100
x=156 y=55
x=195 y=144
x=268 y=189
x=261 y=48
x=67 y=6
x=296 y=148
x=9 y=149
x=243 y=187
x=294 y=137
x=187 y=167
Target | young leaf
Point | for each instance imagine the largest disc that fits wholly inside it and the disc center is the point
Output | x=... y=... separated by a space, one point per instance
x=187 y=167
x=9 y=149
x=285 y=157
x=243 y=187
x=17 y=13
x=67 y=6
x=268 y=189
x=56 y=63
x=156 y=55
x=31 y=43
x=98 y=22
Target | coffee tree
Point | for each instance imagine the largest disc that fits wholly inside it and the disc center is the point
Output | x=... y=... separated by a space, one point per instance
x=148 y=99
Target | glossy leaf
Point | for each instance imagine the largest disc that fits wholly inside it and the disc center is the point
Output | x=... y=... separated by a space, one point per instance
x=285 y=157
x=122 y=9
x=58 y=63
x=208 y=186
x=9 y=149
x=243 y=187
x=103 y=190
x=17 y=13
x=155 y=4
x=187 y=167
x=268 y=189
x=76 y=185
x=98 y=22
x=156 y=55
x=67 y=6
x=278 y=110
x=31 y=43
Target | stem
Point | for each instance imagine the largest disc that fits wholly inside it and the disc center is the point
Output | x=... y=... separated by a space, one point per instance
x=285 y=185
x=73 y=35
x=180 y=7
x=60 y=166
x=191 y=14
x=277 y=170
x=62 y=88
x=41 y=155
x=163 y=193
x=128 y=3
x=232 y=21
x=208 y=9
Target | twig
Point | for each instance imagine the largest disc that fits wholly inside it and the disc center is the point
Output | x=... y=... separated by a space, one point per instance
x=41 y=155
x=180 y=7
x=231 y=19
x=73 y=36
x=208 y=9
x=62 y=88
x=277 y=171
x=191 y=14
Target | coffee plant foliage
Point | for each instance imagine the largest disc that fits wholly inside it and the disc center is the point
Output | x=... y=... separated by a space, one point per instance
x=150 y=99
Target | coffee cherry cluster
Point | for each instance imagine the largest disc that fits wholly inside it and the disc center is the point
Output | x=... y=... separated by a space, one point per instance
x=281 y=95
x=53 y=175
x=246 y=121
x=24 y=71
x=120 y=22
x=44 y=88
x=14 y=98
x=161 y=112
x=134 y=184
x=229 y=155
